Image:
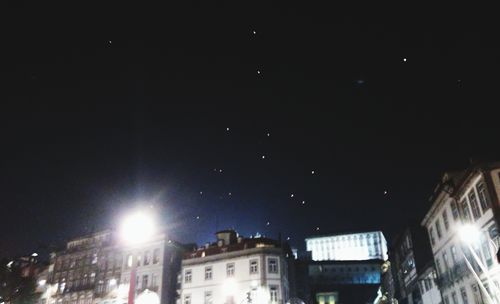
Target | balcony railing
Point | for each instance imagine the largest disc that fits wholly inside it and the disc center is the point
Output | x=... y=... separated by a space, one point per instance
x=453 y=275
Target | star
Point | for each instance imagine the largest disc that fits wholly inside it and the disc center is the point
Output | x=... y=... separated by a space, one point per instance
x=404 y=59
x=201 y=192
x=254 y=32
x=291 y=195
x=360 y=81
x=385 y=192
x=268 y=223
x=227 y=129
x=220 y=170
x=268 y=134
x=258 y=72
x=312 y=172
x=110 y=42
x=288 y=238
x=303 y=202
x=263 y=156
x=198 y=217
x=229 y=194
x=317 y=228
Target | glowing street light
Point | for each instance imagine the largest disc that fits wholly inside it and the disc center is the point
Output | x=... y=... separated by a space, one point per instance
x=136 y=228
x=469 y=234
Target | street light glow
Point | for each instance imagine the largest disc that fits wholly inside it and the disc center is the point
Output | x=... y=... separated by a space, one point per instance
x=137 y=227
x=229 y=287
x=469 y=234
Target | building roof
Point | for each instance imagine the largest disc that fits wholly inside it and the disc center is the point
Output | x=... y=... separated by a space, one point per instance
x=242 y=244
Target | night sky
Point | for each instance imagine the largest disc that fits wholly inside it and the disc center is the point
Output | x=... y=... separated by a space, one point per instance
x=266 y=116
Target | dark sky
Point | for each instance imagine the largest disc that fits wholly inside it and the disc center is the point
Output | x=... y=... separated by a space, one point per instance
x=108 y=104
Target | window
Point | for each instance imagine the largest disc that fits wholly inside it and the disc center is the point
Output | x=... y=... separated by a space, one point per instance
x=473 y=204
x=208 y=273
x=454 y=297
x=493 y=231
x=254 y=266
x=188 y=276
x=465 y=300
x=208 y=297
x=273 y=293
x=147 y=257
x=272 y=265
x=446 y=300
x=230 y=269
x=486 y=249
x=129 y=261
x=144 y=281
x=156 y=256
x=438 y=266
x=465 y=210
x=454 y=256
x=138 y=260
x=445 y=220
x=454 y=210
x=445 y=261
x=438 y=229
x=187 y=299
x=431 y=236
x=484 y=199
x=154 y=280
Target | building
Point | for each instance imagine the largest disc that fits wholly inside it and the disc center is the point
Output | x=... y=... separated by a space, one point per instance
x=96 y=269
x=411 y=258
x=236 y=270
x=342 y=268
x=465 y=197
x=348 y=247
x=427 y=283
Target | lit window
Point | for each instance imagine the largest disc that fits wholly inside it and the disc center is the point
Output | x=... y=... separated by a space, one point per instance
x=254 y=266
x=272 y=265
x=208 y=273
x=188 y=276
x=230 y=269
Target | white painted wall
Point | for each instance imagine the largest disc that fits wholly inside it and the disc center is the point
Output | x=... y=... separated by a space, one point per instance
x=238 y=285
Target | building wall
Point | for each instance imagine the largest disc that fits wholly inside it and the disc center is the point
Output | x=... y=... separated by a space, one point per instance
x=221 y=285
x=429 y=290
x=443 y=223
x=355 y=246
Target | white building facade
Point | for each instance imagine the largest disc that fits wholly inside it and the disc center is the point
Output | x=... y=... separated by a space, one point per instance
x=468 y=197
x=96 y=269
x=234 y=271
x=348 y=247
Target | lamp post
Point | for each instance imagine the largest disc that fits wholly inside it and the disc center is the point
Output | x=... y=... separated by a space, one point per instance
x=136 y=228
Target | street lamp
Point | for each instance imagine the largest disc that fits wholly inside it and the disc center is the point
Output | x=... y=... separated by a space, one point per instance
x=470 y=235
x=136 y=228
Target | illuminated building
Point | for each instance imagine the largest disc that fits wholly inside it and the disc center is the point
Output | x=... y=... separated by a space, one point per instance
x=348 y=247
x=235 y=269
x=465 y=197
x=94 y=269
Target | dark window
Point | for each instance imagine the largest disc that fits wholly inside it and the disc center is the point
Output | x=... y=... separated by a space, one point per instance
x=484 y=199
